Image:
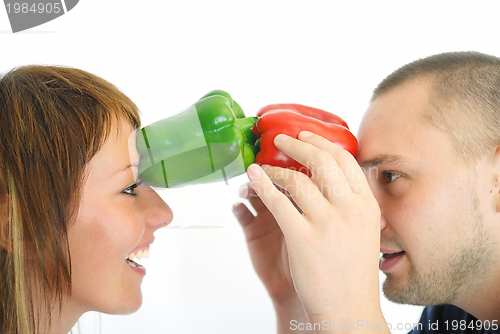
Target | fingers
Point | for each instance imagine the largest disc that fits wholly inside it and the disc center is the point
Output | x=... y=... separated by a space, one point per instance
x=336 y=176
x=277 y=203
x=287 y=194
x=254 y=226
x=305 y=194
x=247 y=192
x=242 y=214
x=347 y=163
x=326 y=172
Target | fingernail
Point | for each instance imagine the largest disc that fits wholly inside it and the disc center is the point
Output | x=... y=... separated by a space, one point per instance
x=264 y=167
x=281 y=138
x=305 y=134
x=237 y=209
x=243 y=192
x=253 y=170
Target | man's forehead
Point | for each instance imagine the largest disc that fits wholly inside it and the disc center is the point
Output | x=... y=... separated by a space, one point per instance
x=406 y=102
x=393 y=124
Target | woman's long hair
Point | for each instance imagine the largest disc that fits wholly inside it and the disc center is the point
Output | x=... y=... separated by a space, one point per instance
x=53 y=120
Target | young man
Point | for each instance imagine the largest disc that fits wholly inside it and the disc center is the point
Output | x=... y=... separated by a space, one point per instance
x=429 y=145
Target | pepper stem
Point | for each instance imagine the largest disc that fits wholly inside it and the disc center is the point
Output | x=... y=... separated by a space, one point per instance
x=245 y=123
x=257 y=145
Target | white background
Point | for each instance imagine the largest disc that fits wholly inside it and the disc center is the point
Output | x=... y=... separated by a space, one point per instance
x=166 y=54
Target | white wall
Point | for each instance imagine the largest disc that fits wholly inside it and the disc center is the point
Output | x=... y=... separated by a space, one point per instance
x=166 y=54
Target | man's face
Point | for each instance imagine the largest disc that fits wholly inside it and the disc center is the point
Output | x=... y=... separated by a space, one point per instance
x=432 y=231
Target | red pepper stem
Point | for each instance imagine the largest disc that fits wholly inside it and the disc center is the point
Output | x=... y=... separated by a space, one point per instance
x=244 y=124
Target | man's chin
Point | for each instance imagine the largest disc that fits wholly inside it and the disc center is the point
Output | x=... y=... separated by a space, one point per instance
x=400 y=292
x=411 y=293
x=394 y=292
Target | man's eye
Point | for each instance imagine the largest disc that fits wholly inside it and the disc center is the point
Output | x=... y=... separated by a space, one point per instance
x=390 y=176
x=130 y=190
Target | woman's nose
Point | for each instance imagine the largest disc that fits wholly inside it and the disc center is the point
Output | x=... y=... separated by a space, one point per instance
x=159 y=213
x=383 y=223
x=379 y=198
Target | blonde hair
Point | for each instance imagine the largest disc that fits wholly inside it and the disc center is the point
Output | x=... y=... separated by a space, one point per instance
x=464 y=98
x=54 y=120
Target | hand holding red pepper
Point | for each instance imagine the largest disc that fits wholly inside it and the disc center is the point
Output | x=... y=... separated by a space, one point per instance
x=332 y=239
x=290 y=119
x=275 y=257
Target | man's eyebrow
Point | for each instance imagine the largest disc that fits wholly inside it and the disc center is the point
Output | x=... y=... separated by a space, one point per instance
x=382 y=159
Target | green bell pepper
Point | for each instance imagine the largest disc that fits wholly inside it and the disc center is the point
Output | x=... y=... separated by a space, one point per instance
x=208 y=142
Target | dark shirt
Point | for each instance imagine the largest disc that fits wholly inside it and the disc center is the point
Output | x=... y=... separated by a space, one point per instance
x=451 y=319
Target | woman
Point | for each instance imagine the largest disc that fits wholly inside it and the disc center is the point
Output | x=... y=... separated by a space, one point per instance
x=71 y=211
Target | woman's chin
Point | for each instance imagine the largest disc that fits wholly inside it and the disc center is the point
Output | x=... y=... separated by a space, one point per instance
x=128 y=306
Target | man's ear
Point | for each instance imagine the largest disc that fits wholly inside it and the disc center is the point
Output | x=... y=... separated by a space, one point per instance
x=4 y=222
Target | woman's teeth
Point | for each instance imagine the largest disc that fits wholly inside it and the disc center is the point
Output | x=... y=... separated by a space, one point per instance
x=139 y=255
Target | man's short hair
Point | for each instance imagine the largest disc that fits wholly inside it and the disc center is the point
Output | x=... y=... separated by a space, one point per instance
x=464 y=98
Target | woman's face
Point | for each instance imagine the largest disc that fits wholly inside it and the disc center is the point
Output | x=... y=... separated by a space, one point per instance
x=115 y=218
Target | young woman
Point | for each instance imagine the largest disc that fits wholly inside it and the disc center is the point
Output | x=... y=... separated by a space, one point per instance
x=71 y=211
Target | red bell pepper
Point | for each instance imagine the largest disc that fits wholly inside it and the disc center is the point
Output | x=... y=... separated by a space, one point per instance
x=291 y=119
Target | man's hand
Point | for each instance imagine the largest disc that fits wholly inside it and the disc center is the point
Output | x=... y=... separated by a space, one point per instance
x=333 y=243
x=267 y=249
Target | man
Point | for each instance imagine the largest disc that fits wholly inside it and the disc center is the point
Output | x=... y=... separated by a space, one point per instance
x=429 y=145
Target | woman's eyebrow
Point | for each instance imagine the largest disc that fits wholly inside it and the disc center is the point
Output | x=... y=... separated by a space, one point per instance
x=136 y=165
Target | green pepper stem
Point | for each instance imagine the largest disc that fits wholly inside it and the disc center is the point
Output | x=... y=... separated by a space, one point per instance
x=257 y=145
x=245 y=123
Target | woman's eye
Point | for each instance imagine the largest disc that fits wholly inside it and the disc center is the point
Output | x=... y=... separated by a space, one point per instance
x=390 y=176
x=130 y=190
